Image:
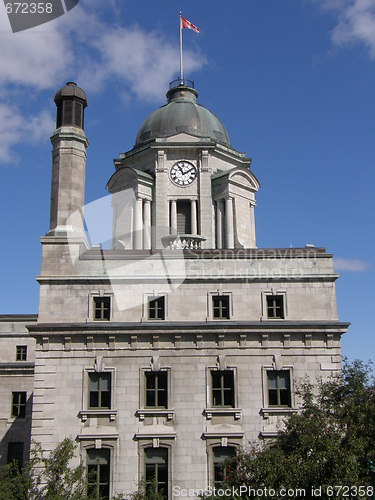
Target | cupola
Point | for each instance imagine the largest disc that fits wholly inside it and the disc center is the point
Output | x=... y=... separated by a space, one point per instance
x=70 y=102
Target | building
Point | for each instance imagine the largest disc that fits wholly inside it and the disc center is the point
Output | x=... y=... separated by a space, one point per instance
x=17 y=354
x=182 y=341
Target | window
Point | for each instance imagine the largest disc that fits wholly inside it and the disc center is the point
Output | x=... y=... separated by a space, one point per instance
x=21 y=353
x=275 y=306
x=102 y=306
x=98 y=469
x=184 y=216
x=156 y=308
x=221 y=456
x=220 y=306
x=15 y=454
x=19 y=404
x=100 y=390
x=279 y=388
x=69 y=113
x=223 y=388
x=156 y=465
x=156 y=389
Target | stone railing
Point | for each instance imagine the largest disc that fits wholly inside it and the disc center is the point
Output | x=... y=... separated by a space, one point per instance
x=183 y=241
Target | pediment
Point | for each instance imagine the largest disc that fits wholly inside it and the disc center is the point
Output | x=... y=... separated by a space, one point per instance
x=238 y=176
x=244 y=177
x=184 y=137
x=128 y=177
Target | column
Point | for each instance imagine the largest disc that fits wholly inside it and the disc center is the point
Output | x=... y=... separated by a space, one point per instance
x=147 y=225
x=219 y=223
x=252 y=228
x=229 y=223
x=138 y=221
x=194 y=226
x=173 y=208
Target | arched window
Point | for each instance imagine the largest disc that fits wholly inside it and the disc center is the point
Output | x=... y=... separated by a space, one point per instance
x=156 y=465
x=221 y=455
x=98 y=473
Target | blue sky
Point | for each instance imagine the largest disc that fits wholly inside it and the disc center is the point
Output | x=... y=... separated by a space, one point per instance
x=291 y=80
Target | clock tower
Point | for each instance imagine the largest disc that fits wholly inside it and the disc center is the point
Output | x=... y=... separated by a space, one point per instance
x=192 y=189
x=165 y=354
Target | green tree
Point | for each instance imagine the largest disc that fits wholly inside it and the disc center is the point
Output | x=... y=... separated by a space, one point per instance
x=328 y=442
x=45 y=478
x=14 y=484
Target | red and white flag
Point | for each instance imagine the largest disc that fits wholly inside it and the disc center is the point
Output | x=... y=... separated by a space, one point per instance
x=187 y=24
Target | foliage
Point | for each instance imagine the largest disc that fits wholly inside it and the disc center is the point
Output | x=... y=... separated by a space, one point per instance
x=45 y=478
x=147 y=492
x=61 y=481
x=14 y=484
x=53 y=478
x=328 y=442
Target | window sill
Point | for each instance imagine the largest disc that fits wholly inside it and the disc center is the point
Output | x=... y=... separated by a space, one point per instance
x=155 y=412
x=277 y=410
x=85 y=414
x=17 y=420
x=222 y=411
x=273 y=319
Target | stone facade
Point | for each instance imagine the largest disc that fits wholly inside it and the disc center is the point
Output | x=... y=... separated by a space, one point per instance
x=17 y=354
x=182 y=341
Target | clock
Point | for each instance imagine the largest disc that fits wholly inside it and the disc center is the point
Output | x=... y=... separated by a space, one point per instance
x=183 y=173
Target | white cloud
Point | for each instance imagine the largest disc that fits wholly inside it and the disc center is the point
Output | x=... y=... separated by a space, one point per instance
x=145 y=62
x=15 y=128
x=34 y=58
x=354 y=265
x=355 y=22
x=82 y=47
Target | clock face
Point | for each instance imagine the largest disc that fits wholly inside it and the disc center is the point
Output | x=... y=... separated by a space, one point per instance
x=183 y=173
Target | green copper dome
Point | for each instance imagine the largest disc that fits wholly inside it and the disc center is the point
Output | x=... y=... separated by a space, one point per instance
x=182 y=113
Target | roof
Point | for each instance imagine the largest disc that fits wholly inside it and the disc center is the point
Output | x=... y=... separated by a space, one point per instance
x=182 y=113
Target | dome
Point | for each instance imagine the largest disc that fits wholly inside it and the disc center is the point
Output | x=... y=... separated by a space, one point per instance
x=70 y=91
x=182 y=113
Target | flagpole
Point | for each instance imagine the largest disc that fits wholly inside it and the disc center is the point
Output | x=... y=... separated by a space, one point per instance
x=180 y=49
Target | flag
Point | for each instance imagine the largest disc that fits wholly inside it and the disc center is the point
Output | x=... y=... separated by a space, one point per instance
x=187 y=24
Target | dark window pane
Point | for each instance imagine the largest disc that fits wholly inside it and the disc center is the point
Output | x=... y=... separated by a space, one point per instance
x=272 y=395
x=151 y=380
x=15 y=454
x=94 y=399
x=216 y=380
x=228 y=398
x=216 y=396
x=78 y=115
x=68 y=113
x=106 y=400
x=284 y=397
x=150 y=399
x=162 y=399
x=183 y=217
x=59 y=115
x=228 y=380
